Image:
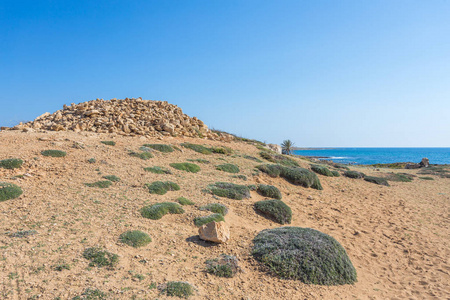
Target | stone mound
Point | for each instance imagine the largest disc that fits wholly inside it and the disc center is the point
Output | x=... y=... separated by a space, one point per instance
x=129 y=117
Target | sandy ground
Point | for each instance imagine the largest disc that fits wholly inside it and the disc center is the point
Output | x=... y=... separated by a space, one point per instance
x=397 y=237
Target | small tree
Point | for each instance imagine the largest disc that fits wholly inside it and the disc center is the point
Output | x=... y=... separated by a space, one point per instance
x=286 y=147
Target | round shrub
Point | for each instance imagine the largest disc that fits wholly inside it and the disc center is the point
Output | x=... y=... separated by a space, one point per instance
x=178 y=289
x=188 y=167
x=162 y=187
x=224 y=266
x=142 y=155
x=304 y=254
x=269 y=191
x=54 y=153
x=199 y=221
x=376 y=180
x=185 y=201
x=230 y=168
x=336 y=173
x=100 y=257
x=216 y=208
x=197 y=148
x=100 y=184
x=275 y=210
x=158 y=210
x=295 y=175
x=135 y=238
x=354 y=174
x=322 y=170
x=9 y=191
x=11 y=163
x=229 y=190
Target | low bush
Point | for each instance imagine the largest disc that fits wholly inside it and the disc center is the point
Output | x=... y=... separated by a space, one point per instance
x=178 y=289
x=399 y=177
x=54 y=153
x=354 y=174
x=23 y=233
x=230 y=168
x=252 y=158
x=158 y=170
x=199 y=221
x=197 y=148
x=112 y=178
x=142 y=155
x=222 y=150
x=438 y=170
x=224 y=266
x=92 y=160
x=297 y=176
x=9 y=191
x=160 y=147
x=216 y=208
x=158 y=210
x=252 y=187
x=376 y=180
x=100 y=257
x=279 y=159
x=275 y=210
x=188 y=167
x=199 y=160
x=336 y=173
x=303 y=254
x=162 y=187
x=271 y=170
x=322 y=170
x=91 y=294
x=398 y=165
x=11 y=163
x=427 y=178
x=100 y=184
x=269 y=191
x=243 y=177
x=229 y=190
x=109 y=143
x=185 y=201
x=135 y=238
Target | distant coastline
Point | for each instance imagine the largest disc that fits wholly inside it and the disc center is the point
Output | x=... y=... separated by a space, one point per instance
x=312 y=148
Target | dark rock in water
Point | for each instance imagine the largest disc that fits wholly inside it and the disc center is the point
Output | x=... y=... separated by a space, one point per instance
x=425 y=163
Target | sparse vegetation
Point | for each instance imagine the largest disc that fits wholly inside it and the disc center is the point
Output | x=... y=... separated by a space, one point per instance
x=135 y=238
x=92 y=160
x=216 y=208
x=11 y=163
x=158 y=170
x=185 y=201
x=61 y=266
x=399 y=177
x=322 y=170
x=54 y=153
x=427 y=178
x=143 y=155
x=397 y=165
x=91 y=294
x=188 y=167
x=275 y=210
x=100 y=184
x=376 y=180
x=160 y=147
x=243 y=177
x=199 y=160
x=297 y=176
x=230 y=168
x=112 y=178
x=9 y=191
x=229 y=190
x=269 y=191
x=199 y=221
x=162 y=187
x=100 y=257
x=354 y=174
x=278 y=158
x=109 y=143
x=158 y=210
x=252 y=158
x=224 y=266
x=23 y=233
x=197 y=148
x=304 y=254
x=438 y=170
x=222 y=150
x=178 y=289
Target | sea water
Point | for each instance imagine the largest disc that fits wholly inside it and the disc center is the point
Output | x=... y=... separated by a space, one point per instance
x=366 y=156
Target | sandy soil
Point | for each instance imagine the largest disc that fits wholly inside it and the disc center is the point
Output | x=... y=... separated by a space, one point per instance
x=397 y=237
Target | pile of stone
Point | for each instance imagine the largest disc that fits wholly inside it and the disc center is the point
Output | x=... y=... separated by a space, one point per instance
x=128 y=117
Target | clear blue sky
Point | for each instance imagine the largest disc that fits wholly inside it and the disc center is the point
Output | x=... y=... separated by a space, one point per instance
x=321 y=73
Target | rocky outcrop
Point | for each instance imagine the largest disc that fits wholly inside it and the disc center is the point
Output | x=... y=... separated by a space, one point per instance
x=274 y=147
x=217 y=232
x=128 y=117
x=424 y=163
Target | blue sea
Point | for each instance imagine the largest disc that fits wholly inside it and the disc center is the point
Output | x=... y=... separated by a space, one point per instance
x=367 y=156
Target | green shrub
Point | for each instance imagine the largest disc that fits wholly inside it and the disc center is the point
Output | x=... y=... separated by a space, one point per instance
x=100 y=257
x=109 y=143
x=252 y=158
x=279 y=159
x=92 y=160
x=197 y=148
x=354 y=174
x=229 y=190
x=438 y=170
x=178 y=289
x=9 y=191
x=99 y=184
x=243 y=177
x=398 y=165
x=185 y=201
x=142 y=155
x=230 y=168
x=216 y=208
x=400 y=177
x=427 y=178
x=269 y=191
x=91 y=294
x=162 y=187
x=160 y=147
x=275 y=210
x=158 y=170
x=158 y=210
x=199 y=160
x=135 y=238
x=53 y=153
x=297 y=176
x=224 y=266
x=112 y=178
x=222 y=150
x=11 y=163
x=252 y=187
x=271 y=170
x=304 y=254
x=188 y=167
x=199 y=221
x=376 y=180
x=336 y=173
x=322 y=170
x=62 y=266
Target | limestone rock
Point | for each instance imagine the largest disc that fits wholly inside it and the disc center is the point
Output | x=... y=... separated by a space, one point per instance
x=217 y=232
x=275 y=148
